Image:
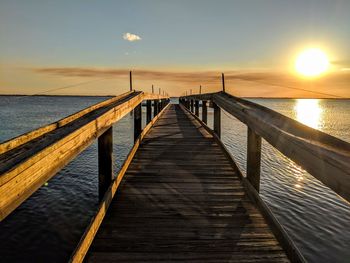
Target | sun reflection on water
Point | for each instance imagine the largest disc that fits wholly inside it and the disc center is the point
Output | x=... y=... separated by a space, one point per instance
x=308 y=112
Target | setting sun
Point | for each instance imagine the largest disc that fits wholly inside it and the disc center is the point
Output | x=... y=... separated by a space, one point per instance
x=311 y=62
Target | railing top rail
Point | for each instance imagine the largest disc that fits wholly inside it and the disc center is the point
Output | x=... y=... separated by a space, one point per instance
x=204 y=96
x=26 y=137
x=152 y=96
x=324 y=156
x=30 y=160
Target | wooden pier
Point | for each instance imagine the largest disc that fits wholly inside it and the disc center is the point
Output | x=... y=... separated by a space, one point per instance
x=179 y=195
x=182 y=200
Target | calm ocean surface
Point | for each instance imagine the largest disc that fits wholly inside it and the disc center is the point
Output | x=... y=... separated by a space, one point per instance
x=48 y=226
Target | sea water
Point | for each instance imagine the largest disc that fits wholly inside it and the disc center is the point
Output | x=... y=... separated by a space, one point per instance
x=48 y=226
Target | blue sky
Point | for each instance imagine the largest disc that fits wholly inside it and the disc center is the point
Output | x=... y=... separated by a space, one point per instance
x=175 y=35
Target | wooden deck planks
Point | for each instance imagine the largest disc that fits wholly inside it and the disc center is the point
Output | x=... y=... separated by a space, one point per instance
x=182 y=201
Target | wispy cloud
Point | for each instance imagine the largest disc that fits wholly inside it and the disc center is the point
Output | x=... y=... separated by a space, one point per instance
x=246 y=82
x=131 y=37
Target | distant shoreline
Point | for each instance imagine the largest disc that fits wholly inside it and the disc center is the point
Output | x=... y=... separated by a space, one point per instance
x=24 y=95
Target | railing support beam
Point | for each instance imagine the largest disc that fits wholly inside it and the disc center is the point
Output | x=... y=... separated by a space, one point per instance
x=155 y=108
x=105 y=161
x=137 y=121
x=191 y=102
x=196 y=107
x=159 y=106
x=253 y=159
x=148 y=111
x=204 y=112
x=217 y=120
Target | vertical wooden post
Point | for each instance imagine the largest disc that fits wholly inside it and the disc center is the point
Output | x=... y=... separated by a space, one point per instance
x=155 y=108
x=152 y=89
x=196 y=111
x=204 y=111
x=253 y=159
x=223 y=82
x=217 y=120
x=130 y=78
x=105 y=161
x=159 y=105
x=192 y=106
x=148 y=111
x=159 y=91
x=200 y=89
x=137 y=121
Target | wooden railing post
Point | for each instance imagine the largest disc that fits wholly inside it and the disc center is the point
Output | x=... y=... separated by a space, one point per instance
x=192 y=104
x=137 y=121
x=253 y=159
x=196 y=108
x=105 y=161
x=159 y=105
x=155 y=108
x=204 y=111
x=217 y=120
x=148 y=111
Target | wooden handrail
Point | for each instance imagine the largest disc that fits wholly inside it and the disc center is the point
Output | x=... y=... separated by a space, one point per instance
x=326 y=157
x=30 y=160
x=24 y=138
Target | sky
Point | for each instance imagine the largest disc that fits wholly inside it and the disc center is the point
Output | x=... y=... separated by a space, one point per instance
x=88 y=47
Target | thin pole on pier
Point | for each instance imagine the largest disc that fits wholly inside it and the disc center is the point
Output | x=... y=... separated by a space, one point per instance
x=152 y=89
x=159 y=91
x=130 y=77
x=190 y=91
x=223 y=81
x=200 y=89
